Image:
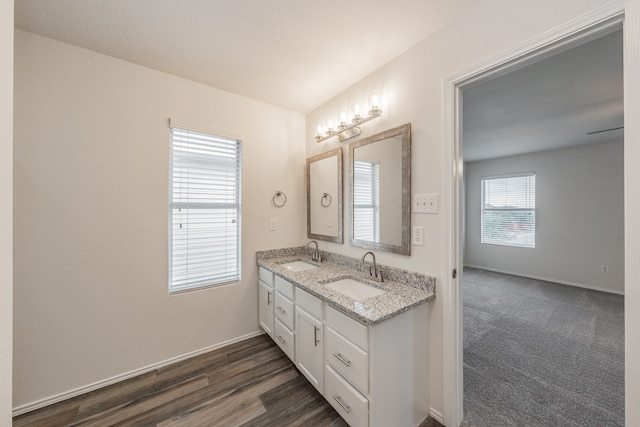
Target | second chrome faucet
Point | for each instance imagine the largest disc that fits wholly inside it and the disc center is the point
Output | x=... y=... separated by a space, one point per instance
x=374 y=271
x=315 y=256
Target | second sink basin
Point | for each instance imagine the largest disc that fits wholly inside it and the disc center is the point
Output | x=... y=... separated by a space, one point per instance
x=298 y=266
x=354 y=289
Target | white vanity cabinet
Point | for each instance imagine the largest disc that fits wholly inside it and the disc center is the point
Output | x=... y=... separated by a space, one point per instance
x=377 y=375
x=284 y=328
x=266 y=301
x=373 y=375
x=310 y=338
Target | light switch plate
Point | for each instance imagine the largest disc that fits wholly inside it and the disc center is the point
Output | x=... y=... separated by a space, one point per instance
x=272 y=224
x=425 y=203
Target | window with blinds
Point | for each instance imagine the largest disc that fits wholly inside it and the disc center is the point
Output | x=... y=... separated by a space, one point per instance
x=508 y=210
x=204 y=210
x=366 y=201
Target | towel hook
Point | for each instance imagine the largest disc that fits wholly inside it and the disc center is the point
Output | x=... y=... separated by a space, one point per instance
x=279 y=199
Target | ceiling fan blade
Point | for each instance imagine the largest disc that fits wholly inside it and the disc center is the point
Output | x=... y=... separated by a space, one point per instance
x=605 y=130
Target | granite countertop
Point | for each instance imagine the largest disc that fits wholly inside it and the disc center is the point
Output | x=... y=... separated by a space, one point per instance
x=397 y=299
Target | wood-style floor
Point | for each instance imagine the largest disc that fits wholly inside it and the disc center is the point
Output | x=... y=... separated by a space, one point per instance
x=250 y=383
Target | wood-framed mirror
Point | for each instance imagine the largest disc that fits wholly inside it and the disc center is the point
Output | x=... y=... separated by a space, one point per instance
x=324 y=196
x=380 y=196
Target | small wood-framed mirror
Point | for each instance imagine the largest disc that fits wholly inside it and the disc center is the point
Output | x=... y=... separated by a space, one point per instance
x=324 y=196
x=380 y=197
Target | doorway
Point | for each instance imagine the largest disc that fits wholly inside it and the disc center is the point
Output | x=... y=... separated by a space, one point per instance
x=591 y=27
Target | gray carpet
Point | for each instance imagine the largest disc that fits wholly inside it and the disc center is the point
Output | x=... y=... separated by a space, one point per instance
x=541 y=354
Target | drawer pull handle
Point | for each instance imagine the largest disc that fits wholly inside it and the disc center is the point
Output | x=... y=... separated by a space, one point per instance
x=315 y=336
x=268 y=297
x=342 y=359
x=339 y=400
x=281 y=339
x=280 y=310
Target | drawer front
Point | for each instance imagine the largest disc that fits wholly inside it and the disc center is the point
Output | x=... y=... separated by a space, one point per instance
x=284 y=310
x=348 y=359
x=351 y=329
x=309 y=303
x=350 y=404
x=266 y=276
x=285 y=339
x=284 y=287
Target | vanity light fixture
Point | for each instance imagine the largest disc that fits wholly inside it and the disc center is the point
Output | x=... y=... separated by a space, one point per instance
x=346 y=130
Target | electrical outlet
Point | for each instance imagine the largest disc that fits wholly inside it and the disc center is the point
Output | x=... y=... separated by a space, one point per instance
x=417 y=236
x=272 y=224
x=604 y=269
x=329 y=221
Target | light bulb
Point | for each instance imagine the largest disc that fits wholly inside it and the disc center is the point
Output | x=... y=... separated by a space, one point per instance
x=356 y=112
x=374 y=101
x=330 y=123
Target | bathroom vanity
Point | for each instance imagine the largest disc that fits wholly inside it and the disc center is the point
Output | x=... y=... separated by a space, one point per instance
x=361 y=343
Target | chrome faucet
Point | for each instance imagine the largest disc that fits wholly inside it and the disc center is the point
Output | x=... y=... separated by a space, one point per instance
x=374 y=272
x=316 y=254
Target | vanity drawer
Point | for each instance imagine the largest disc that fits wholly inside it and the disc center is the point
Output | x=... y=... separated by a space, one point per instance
x=266 y=276
x=351 y=329
x=285 y=339
x=284 y=310
x=309 y=303
x=350 y=404
x=348 y=359
x=284 y=287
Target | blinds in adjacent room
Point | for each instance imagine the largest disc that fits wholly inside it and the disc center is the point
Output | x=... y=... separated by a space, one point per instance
x=508 y=210
x=204 y=210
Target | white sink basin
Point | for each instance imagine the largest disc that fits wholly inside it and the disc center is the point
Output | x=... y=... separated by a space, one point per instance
x=354 y=289
x=296 y=266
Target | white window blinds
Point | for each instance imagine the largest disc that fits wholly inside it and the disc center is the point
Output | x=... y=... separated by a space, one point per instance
x=508 y=210
x=204 y=210
x=366 y=201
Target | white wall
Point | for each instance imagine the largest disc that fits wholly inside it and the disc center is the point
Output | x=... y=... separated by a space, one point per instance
x=579 y=216
x=6 y=208
x=411 y=87
x=91 y=165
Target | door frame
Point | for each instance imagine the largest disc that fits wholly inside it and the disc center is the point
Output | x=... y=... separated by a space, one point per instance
x=590 y=26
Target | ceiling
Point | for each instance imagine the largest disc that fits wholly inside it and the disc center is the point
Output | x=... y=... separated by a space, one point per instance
x=549 y=104
x=292 y=53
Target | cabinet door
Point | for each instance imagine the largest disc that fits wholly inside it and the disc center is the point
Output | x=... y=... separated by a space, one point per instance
x=310 y=348
x=265 y=308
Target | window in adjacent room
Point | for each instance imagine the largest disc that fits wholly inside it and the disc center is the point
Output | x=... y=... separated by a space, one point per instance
x=366 y=201
x=508 y=210
x=204 y=210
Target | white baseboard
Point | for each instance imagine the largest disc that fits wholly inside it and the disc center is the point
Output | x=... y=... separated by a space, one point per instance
x=548 y=279
x=109 y=381
x=436 y=415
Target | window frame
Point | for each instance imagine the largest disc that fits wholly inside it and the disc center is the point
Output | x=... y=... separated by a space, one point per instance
x=515 y=199
x=234 y=145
